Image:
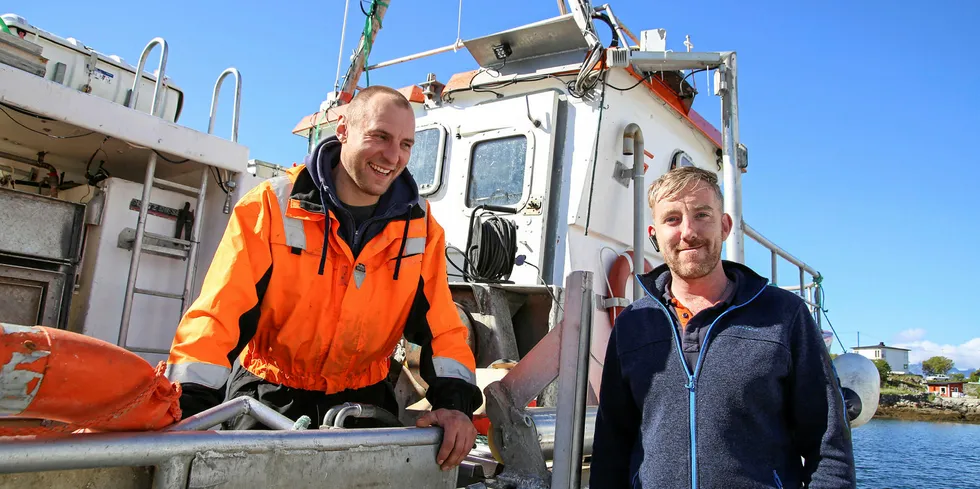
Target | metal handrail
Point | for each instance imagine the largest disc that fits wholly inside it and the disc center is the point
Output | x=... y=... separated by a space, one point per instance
x=236 y=407
x=235 y=109
x=161 y=68
x=776 y=250
x=816 y=301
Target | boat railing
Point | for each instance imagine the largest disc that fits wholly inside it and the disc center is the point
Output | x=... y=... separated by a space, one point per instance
x=161 y=68
x=238 y=102
x=808 y=291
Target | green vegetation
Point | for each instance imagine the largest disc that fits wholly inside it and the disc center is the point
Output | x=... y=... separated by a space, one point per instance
x=903 y=384
x=883 y=370
x=957 y=377
x=937 y=366
x=975 y=376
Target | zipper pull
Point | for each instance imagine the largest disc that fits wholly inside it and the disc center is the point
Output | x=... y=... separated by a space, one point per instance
x=359 y=272
x=690 y=385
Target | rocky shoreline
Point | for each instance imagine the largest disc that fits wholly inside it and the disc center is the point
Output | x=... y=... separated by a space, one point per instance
x=918 y=407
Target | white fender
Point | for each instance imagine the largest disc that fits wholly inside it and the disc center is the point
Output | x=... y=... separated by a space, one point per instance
x=858 y=375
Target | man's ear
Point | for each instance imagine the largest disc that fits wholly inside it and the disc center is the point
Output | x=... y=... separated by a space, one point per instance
x=726 y=226
x=342 y=129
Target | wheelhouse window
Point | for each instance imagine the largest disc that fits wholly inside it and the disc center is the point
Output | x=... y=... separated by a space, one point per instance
x=680 y=160
x=425 y=165
x=497 y=171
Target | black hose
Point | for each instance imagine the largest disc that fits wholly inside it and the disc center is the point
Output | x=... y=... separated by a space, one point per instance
x=497 y=249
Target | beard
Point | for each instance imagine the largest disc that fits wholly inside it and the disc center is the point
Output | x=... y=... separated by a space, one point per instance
x=696 y=264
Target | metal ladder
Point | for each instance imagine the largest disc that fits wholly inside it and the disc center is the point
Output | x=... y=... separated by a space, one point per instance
x=151 y=181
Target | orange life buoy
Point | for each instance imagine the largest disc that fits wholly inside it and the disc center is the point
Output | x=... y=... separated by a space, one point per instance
x=620 y=274
x=79 y=382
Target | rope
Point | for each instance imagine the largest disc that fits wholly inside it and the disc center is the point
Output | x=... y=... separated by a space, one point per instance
x=818 y=280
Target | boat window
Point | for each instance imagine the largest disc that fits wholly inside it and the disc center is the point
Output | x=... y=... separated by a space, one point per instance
x=680 y=160
x=497 y=171
x=425 y=165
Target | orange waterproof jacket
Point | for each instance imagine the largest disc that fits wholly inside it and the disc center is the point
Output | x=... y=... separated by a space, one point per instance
x=304 y=300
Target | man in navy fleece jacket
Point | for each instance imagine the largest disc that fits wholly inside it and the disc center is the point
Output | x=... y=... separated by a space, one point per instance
x=715 y=379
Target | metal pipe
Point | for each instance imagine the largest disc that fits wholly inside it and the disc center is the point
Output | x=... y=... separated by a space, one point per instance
x=230 y=409
x=452 y=47
x=344 y=413
x=87 y=451
x=794 y=288
x=164 y=48
x=774 y=259
x=331 y=415
x=134 y=261
x=567 y=467
x=734 y=245
x=364 y=411
x=238 y=102
x=189 y=277
x=28 y=161
x=633 y=144
x=615 y=23
x=544 y=423
x=752 y=233
x=802 y=283
x=562 y=7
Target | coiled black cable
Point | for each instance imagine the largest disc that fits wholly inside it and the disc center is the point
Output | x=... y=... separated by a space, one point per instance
x=491 y=260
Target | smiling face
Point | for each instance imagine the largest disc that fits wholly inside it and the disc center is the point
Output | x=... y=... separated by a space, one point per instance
x=377 y=144
x=691 y=228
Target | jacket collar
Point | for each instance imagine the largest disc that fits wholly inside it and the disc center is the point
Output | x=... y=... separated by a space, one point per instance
x=315 y=187
x=747 y=282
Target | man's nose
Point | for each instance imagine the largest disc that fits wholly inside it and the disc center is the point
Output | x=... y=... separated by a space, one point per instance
x=688 y=232
x=392 y=153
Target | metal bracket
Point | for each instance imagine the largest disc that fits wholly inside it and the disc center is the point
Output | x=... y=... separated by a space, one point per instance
x=610 y=302
x=622 y=174
x=155 y=244
x=533 y=208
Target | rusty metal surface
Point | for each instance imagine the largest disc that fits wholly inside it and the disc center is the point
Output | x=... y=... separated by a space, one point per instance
x=40 y=227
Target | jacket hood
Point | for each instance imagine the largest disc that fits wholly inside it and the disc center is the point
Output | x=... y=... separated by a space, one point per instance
x=401 y=196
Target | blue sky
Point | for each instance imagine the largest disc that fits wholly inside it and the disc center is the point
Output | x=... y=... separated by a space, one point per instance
x=857 y=115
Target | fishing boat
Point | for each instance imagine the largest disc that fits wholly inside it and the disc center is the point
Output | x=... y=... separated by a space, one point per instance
x=113 y=210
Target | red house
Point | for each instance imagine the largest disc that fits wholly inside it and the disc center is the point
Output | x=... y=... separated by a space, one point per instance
x=945 y=389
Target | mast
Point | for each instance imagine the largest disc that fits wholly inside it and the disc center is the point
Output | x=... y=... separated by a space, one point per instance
x=371 y=27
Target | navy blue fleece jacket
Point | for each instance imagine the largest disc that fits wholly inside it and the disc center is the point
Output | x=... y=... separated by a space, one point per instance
x=761 y=408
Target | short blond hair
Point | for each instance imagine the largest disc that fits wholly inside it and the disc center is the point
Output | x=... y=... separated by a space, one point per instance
x=679 y=180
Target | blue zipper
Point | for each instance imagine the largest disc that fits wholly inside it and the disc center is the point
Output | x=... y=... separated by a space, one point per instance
x=692 y=377
x=775 y=477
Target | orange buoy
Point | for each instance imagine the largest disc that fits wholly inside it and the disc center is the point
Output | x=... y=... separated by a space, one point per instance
x=80 y=381
x=620 y=274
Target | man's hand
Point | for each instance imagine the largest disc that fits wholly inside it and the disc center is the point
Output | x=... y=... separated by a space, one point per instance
x=458 y=435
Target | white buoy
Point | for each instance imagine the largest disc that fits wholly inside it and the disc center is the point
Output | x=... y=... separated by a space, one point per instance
x=859 y=375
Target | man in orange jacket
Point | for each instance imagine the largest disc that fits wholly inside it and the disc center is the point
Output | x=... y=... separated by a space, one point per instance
x=308 y=323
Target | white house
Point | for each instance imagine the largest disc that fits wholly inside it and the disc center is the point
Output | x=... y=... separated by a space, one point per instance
x=897 y=358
